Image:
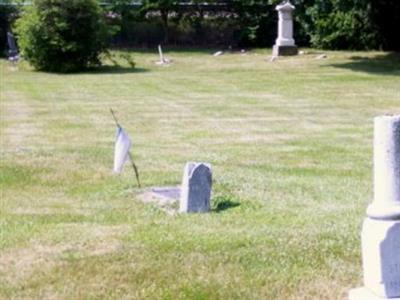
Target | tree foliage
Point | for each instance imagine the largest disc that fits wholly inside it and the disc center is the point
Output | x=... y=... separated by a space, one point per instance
x=62 y=35
x=340 y=24
x=329 y=24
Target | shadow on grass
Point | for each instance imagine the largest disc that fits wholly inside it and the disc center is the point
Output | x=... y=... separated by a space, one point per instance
x=223 y=203
x=387 y=64
x=112 y=70
x=107 y=69
x=166 y=49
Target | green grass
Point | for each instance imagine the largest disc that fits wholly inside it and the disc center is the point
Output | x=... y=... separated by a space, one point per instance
x=290 y=143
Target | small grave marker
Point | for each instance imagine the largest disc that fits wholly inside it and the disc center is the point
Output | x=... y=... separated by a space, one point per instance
x=196 y=188
x=163 y=60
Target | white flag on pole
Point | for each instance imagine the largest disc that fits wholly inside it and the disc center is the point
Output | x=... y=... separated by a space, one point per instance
x=122 y=145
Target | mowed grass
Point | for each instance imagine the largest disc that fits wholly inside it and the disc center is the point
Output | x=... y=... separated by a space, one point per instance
x=290 y=144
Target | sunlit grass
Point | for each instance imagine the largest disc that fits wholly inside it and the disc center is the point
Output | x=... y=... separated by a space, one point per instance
x=290 y=146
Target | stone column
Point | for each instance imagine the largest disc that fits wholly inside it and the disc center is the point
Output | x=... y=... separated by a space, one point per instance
x=196 y=188
x=284 y=44
x=381 y=228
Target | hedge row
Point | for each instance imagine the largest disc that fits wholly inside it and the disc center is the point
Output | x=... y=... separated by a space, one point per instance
x=329 y=24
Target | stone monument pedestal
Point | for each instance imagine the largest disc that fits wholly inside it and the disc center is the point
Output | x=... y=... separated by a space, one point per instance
x=381 y=228
x=284 y=44
x=381 y=260
x=284 y=50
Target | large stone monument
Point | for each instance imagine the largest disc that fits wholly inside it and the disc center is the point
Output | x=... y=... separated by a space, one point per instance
x=284 y=44
x=196 y=188
x=381 y=228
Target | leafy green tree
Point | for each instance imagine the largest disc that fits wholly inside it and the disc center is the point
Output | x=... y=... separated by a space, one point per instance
x=164 y=7
x=342 y=24
x=62 y=35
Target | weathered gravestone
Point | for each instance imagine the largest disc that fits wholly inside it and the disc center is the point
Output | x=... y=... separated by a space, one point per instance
x=284 y=44
x=381 y=228
x=196 y=188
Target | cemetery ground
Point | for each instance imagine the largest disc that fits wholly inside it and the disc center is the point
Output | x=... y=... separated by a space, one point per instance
x=290 y=144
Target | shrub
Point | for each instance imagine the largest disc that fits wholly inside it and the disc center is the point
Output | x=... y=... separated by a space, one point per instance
x=342 y=24
x=62 y=35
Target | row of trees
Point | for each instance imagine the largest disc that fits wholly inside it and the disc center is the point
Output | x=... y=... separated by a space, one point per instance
x=66 y=35
x=330 y=24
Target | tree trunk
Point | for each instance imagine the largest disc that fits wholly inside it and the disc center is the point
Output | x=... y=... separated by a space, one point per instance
x=164 y=18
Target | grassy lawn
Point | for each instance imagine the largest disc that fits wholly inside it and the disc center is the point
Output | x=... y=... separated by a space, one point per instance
x=290 y=143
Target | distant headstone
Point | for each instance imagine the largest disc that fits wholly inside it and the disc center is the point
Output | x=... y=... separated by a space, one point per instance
x=12 y=47
x=163 y=60
x=381 y=228
x=321 y=56
x=284 y=44
x=196 y=188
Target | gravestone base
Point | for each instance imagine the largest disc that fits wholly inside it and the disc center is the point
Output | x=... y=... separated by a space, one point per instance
x=365 y=294
x=381 y=257
x=166 y=198
x=284 y=50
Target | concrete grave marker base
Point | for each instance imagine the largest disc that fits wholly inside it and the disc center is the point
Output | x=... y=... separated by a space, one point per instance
x=365 y=294
x=192 y=196
x=166 y=198
x=381 y=257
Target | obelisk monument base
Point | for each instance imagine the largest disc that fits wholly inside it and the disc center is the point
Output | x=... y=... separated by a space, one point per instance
x=284 y=50
x=380 y=237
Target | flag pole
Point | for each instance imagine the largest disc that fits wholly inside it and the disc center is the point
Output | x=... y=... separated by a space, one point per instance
x=135 y=169
x=115 y=118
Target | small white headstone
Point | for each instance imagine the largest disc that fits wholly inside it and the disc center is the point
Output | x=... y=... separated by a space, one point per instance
x=196 y=188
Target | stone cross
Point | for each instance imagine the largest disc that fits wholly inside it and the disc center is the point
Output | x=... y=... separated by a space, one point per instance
x=284 y=44
x=381 y=229
x=196 y=188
